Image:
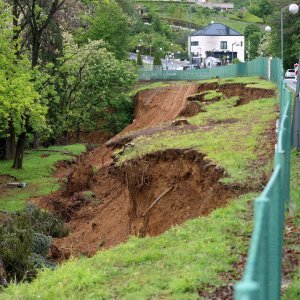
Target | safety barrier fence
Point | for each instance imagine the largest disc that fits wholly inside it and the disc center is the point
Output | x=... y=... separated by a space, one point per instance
x=257 y=67
x=262 y=276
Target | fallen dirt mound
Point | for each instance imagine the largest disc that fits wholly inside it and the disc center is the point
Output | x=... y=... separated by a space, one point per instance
x=157 y=106
x=145 y=196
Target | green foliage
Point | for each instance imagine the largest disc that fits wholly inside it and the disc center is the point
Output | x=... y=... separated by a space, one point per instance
x=157 y=59
x=174 y=265
x=93 y=86
x=45 y=223
x=291 y=36
x=236 y=61
x=15 y=246
x=41 y=244
x=19 y=102
x=23 y=245
x=109 y=23
x=263 y=8
x=40 y=262
x=139 y=60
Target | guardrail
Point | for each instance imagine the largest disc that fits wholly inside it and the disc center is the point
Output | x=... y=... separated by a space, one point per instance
x=262 y=276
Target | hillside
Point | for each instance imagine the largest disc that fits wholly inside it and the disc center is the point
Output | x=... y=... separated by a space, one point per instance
x=111 y=194
x=193 y=15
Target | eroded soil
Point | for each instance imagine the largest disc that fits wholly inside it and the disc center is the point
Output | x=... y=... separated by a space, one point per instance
x=103 y=203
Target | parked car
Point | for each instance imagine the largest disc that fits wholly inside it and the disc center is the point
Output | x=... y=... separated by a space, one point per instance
x=290 y=73
x=179 y=69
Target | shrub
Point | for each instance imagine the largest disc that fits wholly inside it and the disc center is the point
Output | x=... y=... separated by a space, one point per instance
x=44 y=222
x=41 y=244
x=16 y=238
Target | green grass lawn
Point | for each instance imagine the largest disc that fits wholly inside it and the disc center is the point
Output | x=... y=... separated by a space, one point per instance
x=36 y=173
x=174 y=265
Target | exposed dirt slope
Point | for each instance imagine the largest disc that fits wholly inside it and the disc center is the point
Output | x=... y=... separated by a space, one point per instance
x=122 y=201
x=103 y=204
x=157 y=106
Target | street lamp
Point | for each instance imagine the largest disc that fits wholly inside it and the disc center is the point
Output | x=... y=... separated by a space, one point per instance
x=293 y=9
x=267 y=29
x=237 y=44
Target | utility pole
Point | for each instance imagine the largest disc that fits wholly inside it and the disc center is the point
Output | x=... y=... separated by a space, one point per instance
x=296 y=116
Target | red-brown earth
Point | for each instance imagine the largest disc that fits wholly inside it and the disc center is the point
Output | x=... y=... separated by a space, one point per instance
x=103 y=203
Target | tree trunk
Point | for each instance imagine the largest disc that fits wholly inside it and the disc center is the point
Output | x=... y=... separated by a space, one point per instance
x=10 y=149
x=36 y=141
x=36 y=40
x=18 y=162
x=34 y=62
x=3 y=281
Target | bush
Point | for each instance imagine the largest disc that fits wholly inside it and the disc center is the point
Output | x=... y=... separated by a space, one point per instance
x=157 y=59
x=41 y=244
x=25 y=241
x=44 y=222
x=16 y=238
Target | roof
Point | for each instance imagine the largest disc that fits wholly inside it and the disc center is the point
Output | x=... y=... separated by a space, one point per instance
x=216 y=29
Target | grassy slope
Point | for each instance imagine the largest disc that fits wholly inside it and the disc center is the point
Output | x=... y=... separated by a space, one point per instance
x=171 y=266
x=36 y=173
x=179 y=11
x=239 y=141
x=293 y=291
x=174 y=265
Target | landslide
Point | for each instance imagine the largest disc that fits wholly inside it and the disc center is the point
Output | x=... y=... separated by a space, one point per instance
x=119 y=201
x=104 y=203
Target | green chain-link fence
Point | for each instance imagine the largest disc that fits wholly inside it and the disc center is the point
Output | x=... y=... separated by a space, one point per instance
x=262 y=276
x=257 y=67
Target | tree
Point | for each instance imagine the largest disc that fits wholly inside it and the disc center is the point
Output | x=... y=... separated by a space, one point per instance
x=20 y=107
x=94 y=94
x=139 y=60
x=252 y=39
x=291 y=27
x=32 y=19
x=110 y=24
x=35 y=16
x=157 y=59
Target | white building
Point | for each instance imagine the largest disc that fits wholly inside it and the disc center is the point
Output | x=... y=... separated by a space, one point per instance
x=216 y=40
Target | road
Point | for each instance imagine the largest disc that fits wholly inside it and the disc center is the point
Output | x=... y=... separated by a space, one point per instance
x=172 y=65
x=291 y=83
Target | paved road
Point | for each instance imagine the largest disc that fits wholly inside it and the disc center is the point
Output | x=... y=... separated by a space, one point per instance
x=291 y=83
x=172 y=65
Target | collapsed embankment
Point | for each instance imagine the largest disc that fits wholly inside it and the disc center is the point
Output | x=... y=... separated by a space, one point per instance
x=103 y=204
x=144 y=196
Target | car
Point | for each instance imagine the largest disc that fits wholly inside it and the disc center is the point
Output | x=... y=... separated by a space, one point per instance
x=179 y=69
x=290 y=73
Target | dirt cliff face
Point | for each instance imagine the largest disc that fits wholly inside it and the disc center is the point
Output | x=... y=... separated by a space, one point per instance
x=144 y=196
x=103 y=204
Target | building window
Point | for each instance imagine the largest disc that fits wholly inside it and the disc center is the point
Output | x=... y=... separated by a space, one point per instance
x=194 y=43
x=223 y=45
x=241 y=44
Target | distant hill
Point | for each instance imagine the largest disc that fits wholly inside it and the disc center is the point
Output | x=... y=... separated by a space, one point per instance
x=192 y=15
